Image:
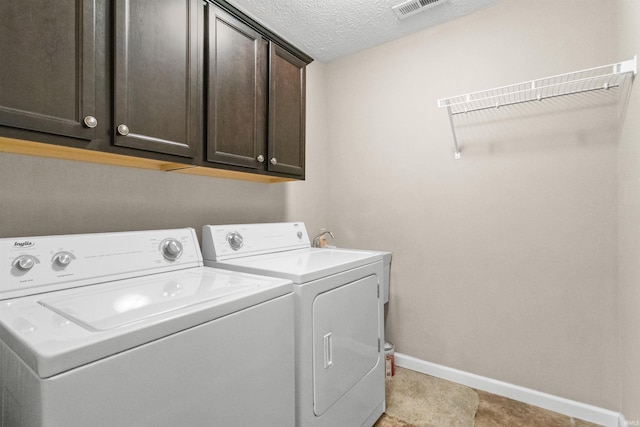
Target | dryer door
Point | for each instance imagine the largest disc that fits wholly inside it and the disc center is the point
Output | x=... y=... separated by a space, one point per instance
x=345 y=339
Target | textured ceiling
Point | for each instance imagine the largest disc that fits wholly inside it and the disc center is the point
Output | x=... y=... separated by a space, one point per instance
x=330 y=29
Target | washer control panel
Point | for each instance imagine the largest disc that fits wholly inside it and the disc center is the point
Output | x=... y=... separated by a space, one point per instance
x=41 y=264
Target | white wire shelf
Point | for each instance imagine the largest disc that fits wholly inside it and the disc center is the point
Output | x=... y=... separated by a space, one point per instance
x=589 y=80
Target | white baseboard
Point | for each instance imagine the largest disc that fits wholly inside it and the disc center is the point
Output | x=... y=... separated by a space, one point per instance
x=550 y=402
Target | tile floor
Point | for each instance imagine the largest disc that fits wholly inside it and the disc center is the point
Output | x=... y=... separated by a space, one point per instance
x=419 y=400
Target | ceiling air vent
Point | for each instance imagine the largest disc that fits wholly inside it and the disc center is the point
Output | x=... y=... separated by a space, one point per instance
x=411 y=7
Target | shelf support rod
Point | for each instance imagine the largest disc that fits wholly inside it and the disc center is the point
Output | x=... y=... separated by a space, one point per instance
x=453 y=130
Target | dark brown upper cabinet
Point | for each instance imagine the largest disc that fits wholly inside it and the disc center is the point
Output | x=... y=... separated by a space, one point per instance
x=286 y=142
x=47 y=67
x=157 y=75
x=160 y=84
x=256 y=97
x=237 y=92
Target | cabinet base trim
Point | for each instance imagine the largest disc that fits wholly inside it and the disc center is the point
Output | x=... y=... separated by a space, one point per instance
x=30 y=148
x=229 y=174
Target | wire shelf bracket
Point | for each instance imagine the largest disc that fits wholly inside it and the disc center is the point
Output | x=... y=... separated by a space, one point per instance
x=592 y=79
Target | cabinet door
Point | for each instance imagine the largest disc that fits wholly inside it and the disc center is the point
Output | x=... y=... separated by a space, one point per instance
x=237 y=108
x=47 y=66
x=157 y=78
x=286 y=112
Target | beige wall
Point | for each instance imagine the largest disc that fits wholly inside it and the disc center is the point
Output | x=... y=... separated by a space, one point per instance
x=504 y=261
x=629 y=218
x=43 y=196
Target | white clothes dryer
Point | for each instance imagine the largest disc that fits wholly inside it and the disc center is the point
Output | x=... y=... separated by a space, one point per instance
x=338 y=316
x=130 y=329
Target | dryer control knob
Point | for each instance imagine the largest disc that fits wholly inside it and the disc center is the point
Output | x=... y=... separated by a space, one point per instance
x=235 y=240
x=171 y=249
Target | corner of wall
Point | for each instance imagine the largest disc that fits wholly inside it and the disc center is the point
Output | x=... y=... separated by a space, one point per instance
x=628 y=39
x=307 y=200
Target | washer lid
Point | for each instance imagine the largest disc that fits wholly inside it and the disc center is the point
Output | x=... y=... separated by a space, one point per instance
x=303 y=265
x=105 y=308
x=59 y=331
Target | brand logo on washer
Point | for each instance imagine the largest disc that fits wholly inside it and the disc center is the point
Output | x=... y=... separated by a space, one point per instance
x=25 y=244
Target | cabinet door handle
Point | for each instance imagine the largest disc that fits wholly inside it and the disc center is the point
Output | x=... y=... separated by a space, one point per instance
x=123 y=130
x=90 y=121
x=273 y=161
x=260 y=158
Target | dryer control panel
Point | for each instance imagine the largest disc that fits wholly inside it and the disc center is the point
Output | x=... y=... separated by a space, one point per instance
x=32 y=265
x=222 y=242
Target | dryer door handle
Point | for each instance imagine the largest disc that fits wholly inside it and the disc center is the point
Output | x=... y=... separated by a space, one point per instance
x=328 y=351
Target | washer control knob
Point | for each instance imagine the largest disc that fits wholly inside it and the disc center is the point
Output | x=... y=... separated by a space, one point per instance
x=235 y=240
x=25 y=262
x=171 y=249
x=62 y=259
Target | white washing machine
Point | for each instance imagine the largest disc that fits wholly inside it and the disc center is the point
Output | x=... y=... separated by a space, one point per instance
x=338 y=316
x=130 y=329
